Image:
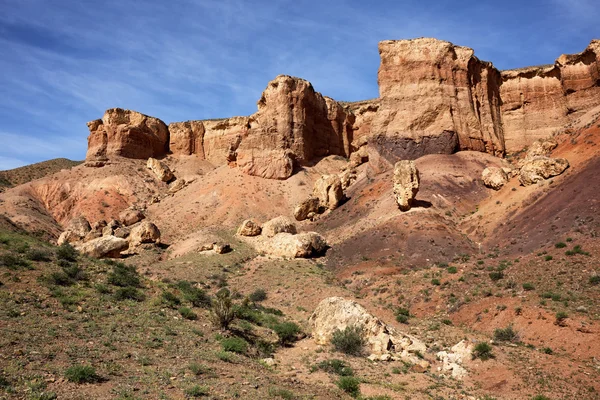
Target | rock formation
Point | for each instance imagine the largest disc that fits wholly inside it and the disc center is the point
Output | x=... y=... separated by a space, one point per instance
x=337 y=313
x=160 y=169
x=126 y=133
x=249 y=228
x=302 y=245
x=306 y=208
x=145 y=232
x=328 y=189
x=406 y=183
x=106 y=246
x=540 y=168
x=277 y=225
x=494 y=177
x=130 y=217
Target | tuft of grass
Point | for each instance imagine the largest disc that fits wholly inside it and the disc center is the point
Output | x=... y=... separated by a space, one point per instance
x=560 y=245
x=594 y=280
x=548 y=258
x=528 y=286
x=82 y=374
x=282 y=393
x=199 y=369
x=287 y=332
x=496 y=275
x=226 y=356
x=483 y=351
x=197 y=391
x=452 y=270
x=196 y=296
x=350 y=385
x=258 y=295
x=349 y=341
x=187 y=313
x=222 y=311
x=14 y=262
x=234 y=345
x=335 y=366
x=507 y=334
x=66 y=252
x=170 y=299
x=128 y=293
x=576 y=250
x=561 y=318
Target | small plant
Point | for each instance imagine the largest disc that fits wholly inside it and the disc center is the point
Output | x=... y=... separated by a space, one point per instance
x=222 y=310
x=170 y=299
x=402 y=315
x=349 y=341
x=446 y=322
x=435 y=282
x=226 y=356
x=234 y=345
x=258 y=295
x=350 y=385
x=282 y=393
x=560 y=245
x=528 y=286
x=13 y=262
x=548 y=258
x=124 y=276
x=187 y=313
x=128 y=293
x=66 y=252
x=540 y=397
x=547 y=350
x=483 y=351
x=507 y=334
x=39 y=255
x=452 y=270
x=82 y=374
x=594 y=279
x=196 y=296
x=287 y=332
x=576 y=250
x=199 y=369
x=335 y=366
x=561 y=318
x=496 y=275
x=197 y=391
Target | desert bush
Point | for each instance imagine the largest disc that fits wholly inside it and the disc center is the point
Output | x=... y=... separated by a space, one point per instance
x=507 y=334
x=350 y=385
x=528 y=286
x=483 y=350
x=540 y=397
x=13 y=262
x=39 y=255
x=287 y=332
x=234 y=345
x=576 y=250
x=349 y=341
x=561 y=318
x=197 y=391
x=199 y=369
x=124 y=276
x=281 y=393
x=196 y=296
x=496 y=275
x=222 y=311
x=258 y=295
x=335 y=366
x=128 y=293
x=82 y=374
x=452 y=270
x=560 y=245
x=170 y=299
x=594 y=279
x=187 y=313
x=66 y=252
x=402 y=315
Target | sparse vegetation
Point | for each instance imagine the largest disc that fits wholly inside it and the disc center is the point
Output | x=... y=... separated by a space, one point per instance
x=483 y=351
x=561 y=318
x=222 y=311
x=349 y=341
x=82 y=374
x=507 y=334
x=402 y=315
x=258 y=295
x=287 y=332
x=335 y=366
x=66 y=252
x=350 y=385
x=234 y=345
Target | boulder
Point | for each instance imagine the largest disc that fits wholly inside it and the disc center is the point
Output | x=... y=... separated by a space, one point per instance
x=126 y=133
x=406 y=183
x=249 y=228
x=176 y=186
x=359 y=157
x=104 y=247
x=92 y=235
x=145 y=232
x=494 y=177
x=221 y=248
x=68 y=237
x=269 y=164
x=122 y=232
x=160 y=169
x=347 y=177
x=130 y=217
x=541 y=148
x=453 y=360
x=302 y=245
x=337 y=313
x=277 y=225
x=540 y=168
x=305 y=208
x=79 y=226
x=328 y=189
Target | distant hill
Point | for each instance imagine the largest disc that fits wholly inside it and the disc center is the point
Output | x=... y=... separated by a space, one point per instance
x=21 y=175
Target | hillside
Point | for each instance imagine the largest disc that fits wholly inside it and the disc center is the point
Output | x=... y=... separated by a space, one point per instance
x=28 y=173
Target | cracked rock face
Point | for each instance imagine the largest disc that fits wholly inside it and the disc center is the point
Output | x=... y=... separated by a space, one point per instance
x=406 y=183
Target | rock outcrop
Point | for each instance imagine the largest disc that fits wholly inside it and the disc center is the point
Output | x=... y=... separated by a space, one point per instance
x=306 y=208
x=540 y=168
x=160 y=169
x=103 y=247
x=145 y=232
x=277 y=225
x=302 y=245
x=249 y=228
x=337 y=313
x=126 y=133
x=452 y=361
x=494 y=177
x=406 y=183
x=130 y=217
x=328 y=189
x=187 y=138
x=77 y=230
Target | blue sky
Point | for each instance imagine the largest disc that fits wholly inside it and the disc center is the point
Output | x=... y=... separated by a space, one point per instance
x=63 y=62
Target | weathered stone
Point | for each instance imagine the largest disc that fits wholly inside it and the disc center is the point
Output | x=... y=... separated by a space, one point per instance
x=106 y=246
x=68 y=237
x=79 y=226
x=302 y=245
x=160 y=169
x=540 y=168
x=122 y=232
x=145 y=232
x=221 y=248
x=328 y=189
x=92 y=235
x=130 y=217
x=406 y=183
x=249 y=228
x=177 y=185
x=494 y=177
x=277 y=225
x=347 y=178
x=305 y=208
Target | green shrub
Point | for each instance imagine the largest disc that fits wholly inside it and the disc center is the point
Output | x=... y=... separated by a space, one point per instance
x=287 y=332
x=197 y=391
x=258 y=295
x=82 y=374
x=446 y=322
x=187 y=313
x=234 y=345
x=452 y=270
x=435 y=282
x=124 y=276
x=350 y=385
x=60 y=279
x=560 y=245
x=222 y=311
x=226 y=356
x=507 y=334
x=282 y=393
x=39 y=255
x=196 y=296
x=482 y=350
x=561 y=318
x=13 y=262
x=199 y=369
x=547 y=350
x=577 y=250
x=528 y=286
x=496 y=275
x=548 y=258
x=66 y=252
x=349 y=341
x=540 y=397
x=335 y=366
x=170 y=299
x=128 y=293
x=402 y=315
x=594 y=279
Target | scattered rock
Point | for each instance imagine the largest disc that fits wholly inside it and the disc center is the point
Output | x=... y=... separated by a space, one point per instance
x=305 y=208
x=359 y=157
x=177 y=185
x=328 y=189
x=160 y=169
x=94 y=234
x=145 y=232
x=406 y=183
x=79 y=226
x=541 y=148
x=540 y=168
x=348 y=177
x=68 y=237
x=206 y=247
x=335 y=313
x=277 y=225
x=269 y=362
x=104 y=247
x=452 y=361
x=249 y=228
x=494 y=177
x=130 y=217
x=303 y=245
x=221 y=248
x=122 y=232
